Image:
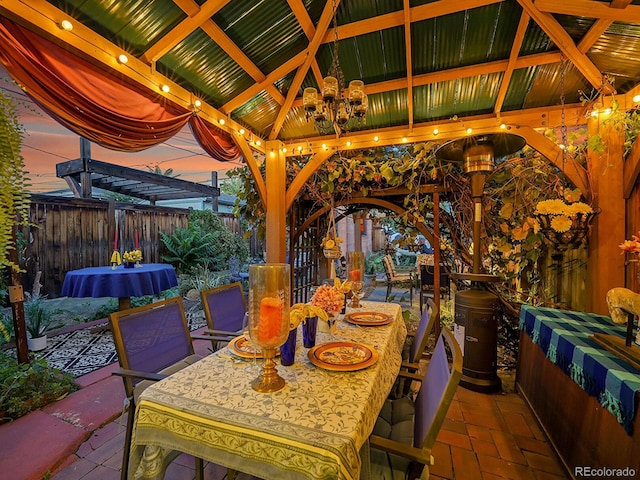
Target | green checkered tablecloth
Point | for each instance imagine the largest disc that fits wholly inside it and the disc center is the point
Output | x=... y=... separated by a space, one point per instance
x=564 y=338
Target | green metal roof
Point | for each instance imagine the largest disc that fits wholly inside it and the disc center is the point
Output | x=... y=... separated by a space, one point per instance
x=237 y=48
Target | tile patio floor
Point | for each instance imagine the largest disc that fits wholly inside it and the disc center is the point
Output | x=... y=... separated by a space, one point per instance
x=484 y=437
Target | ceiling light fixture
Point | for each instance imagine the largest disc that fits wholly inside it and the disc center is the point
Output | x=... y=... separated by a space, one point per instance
x=336 y=108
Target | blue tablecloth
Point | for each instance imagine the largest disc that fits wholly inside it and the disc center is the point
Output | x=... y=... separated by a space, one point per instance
x=96 y=282
x=564 y=338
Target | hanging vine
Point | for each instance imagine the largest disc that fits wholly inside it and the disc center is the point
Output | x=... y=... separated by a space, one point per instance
x=14 y=199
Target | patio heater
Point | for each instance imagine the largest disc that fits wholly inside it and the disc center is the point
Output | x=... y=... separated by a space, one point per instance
x=476 y=309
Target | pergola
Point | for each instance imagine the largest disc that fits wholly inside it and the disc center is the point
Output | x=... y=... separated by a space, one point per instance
x=235 y=70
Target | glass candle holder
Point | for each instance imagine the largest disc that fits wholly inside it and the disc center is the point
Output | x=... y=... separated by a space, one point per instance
x=269 y=301
x=355 y=274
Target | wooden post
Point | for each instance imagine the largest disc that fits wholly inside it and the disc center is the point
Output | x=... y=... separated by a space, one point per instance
x=16 y=298
x=606 y=265
x=276 y=183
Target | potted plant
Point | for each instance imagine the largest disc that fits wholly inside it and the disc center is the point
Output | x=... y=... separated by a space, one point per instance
x=38 y=320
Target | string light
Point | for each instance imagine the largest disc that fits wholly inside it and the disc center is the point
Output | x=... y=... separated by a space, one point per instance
x=66 y=25
x=123 y=59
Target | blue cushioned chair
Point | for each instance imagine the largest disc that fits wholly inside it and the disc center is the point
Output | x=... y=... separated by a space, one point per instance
x=407 y=427
x=224 y=309
x=152 y=342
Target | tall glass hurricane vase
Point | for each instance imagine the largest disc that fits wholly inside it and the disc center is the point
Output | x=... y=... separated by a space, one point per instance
x=269 y=301
x=355 y=273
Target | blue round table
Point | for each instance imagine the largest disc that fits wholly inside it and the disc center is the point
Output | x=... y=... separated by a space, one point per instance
x=123 y=283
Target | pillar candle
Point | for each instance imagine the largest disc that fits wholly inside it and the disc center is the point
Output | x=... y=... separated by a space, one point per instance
x=136 y=235
x=354 y=275
x=270 y=322
x=115 y=240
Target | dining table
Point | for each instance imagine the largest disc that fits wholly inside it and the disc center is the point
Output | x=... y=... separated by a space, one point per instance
x=120 y=282
x=317 y=427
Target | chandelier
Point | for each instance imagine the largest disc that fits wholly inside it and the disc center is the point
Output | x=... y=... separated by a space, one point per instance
x=336 y=107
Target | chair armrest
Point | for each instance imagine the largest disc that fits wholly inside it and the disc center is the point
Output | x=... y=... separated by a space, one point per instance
x=122 y=372
x=222 y=332
x=412 y=376
x=416 y=454
x=218 y=338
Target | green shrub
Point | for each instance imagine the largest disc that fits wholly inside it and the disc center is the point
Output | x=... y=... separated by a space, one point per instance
x=27 y=387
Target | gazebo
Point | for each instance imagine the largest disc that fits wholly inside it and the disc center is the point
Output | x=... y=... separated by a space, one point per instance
x=275 y=82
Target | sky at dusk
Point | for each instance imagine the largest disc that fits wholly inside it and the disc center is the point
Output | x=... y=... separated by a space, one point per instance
x=47 y=143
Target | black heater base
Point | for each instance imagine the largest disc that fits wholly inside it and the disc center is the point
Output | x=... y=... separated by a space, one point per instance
x=480 y=385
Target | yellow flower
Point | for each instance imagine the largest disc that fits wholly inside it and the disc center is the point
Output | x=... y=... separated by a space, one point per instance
x=561 y=223
x=344 y=287
x=329 y=243
x=301 y=311
x=132 y=256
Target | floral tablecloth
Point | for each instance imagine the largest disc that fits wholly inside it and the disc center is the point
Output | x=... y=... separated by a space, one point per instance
x=314 y=428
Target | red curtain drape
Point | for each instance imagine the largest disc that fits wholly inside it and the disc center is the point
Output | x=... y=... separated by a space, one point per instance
x=94 y=103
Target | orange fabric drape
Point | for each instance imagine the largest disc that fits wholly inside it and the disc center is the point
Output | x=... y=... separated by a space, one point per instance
x=94 y=103
x=211 y=141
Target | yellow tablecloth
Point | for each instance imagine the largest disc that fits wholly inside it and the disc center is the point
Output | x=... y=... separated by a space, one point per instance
x=312 y=429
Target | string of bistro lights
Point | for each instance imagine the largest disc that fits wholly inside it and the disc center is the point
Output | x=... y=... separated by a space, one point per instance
x=295 y=148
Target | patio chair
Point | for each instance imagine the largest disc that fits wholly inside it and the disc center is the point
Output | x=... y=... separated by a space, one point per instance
x=224 y=309
x=396 y=278
x=406 y=429
x=412 y=353
x=152 y=342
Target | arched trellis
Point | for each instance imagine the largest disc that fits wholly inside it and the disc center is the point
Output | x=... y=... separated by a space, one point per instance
x=369 y=201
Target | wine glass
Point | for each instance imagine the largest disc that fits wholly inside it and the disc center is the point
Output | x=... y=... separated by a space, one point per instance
x=247 y=336
x=355 y=262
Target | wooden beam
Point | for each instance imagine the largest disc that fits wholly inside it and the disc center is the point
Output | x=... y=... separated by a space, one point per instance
x=513 y=55
x=254 y=168
x=323 y=24
x=184 y=28
x=276 y=178
x=574 y=172
x=396 y=19
x=631 y=169
x=408 y=61
x=561 y=38
x=301 y=14
x=254 y=90
x=591 y=9
x=299 y=181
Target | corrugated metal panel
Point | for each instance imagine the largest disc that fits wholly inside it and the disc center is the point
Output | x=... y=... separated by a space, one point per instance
x=133 y=24
x=387 y=109
x=267 y=32
x=259 y=114
x=200 y=65
x=519 y=85
x=618 y=55
x=297 y=126
x=546 y=88
x=355 y=10
x=535 y=40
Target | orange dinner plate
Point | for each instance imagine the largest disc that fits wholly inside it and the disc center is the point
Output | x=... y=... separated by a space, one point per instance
x=242 y=347
x=343 y=356
x=371 y=319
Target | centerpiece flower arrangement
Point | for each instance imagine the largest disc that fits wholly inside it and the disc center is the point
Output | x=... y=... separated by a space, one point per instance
x=331 y=299
x=134 y=256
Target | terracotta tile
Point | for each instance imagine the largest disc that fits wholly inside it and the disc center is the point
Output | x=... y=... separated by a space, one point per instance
x=517 y=424
x=465 y=464
x=455 y=426
x=454 y=439
x=484 y=448
x=513 y=406
x=112 y=447
x=74 y=471
x=483 y=419
x=491 y=476
x=442 y=466
x=487 y=409
x=545 y=463
x=454 y=412
x=534 y=445
x=507 y=447
x=103 y=473
x=481 y=433
x=504 y=469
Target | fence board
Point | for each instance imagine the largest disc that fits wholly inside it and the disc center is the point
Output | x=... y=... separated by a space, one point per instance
x=69 y=233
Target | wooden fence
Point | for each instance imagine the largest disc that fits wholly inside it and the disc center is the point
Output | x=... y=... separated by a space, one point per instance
x=70 y=233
